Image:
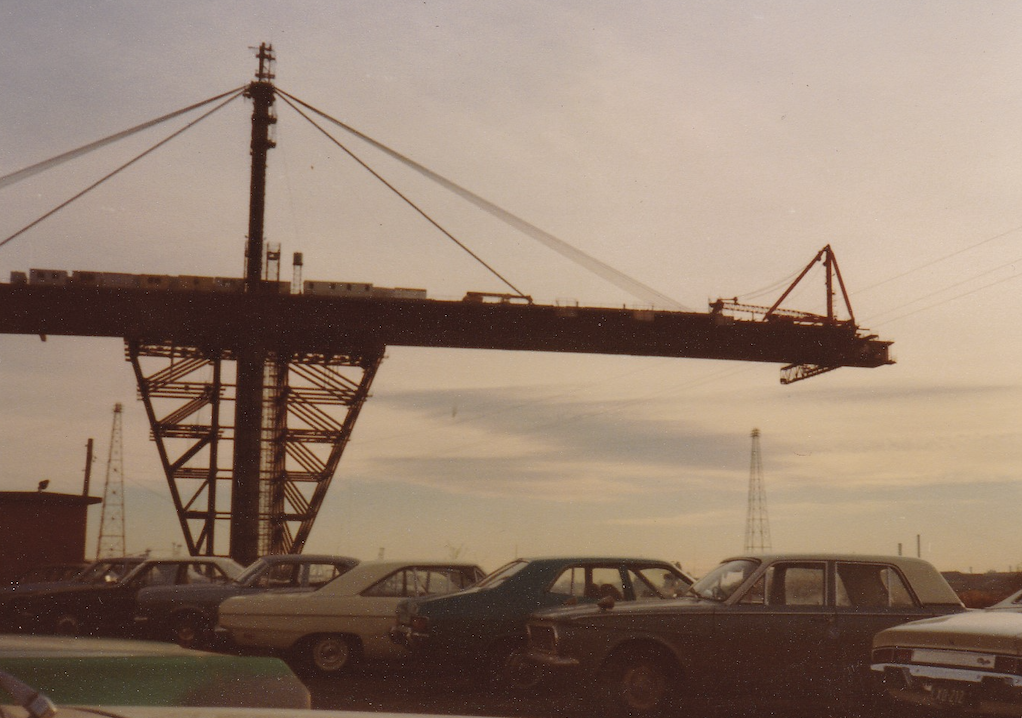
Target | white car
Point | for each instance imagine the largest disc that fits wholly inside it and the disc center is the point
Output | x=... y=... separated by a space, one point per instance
x=965 y=663
x=345 y=621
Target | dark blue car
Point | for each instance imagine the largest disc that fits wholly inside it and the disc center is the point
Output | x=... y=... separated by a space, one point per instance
x=485 y=625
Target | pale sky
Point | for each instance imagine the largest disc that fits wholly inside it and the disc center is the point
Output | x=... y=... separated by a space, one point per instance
x=706 y=149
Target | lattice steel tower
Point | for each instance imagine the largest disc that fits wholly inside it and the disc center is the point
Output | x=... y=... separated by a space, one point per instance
x=111 y=520
x=757 y=525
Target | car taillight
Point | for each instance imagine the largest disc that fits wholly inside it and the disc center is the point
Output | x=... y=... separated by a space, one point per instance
x=1008 y=664
x=892 y=655
x=883 y=655
x=420 y=624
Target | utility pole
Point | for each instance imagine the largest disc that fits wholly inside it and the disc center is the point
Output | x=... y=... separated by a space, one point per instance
x=88 y=468
x=757 y=525
x=111 y=521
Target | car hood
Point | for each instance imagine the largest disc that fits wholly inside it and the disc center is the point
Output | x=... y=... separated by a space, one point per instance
x=997 y=631
x=91 y=671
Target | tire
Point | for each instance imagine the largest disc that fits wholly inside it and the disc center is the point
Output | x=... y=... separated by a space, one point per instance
x=507 y=668
x=328 y=654
x=637 y=683
x=190 y=629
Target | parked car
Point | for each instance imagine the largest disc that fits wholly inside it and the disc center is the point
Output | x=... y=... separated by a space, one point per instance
x=794 y=626
x=186 y=614
x=347 y=620
x=102 y=571
x=105 y=606
x=970 y=662
x=485 y=625
x=50 y=573
x=115 y=672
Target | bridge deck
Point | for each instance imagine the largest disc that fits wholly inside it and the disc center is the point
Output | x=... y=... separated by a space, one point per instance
x=319 y=324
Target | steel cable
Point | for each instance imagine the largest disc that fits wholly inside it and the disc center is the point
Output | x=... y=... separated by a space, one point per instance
x=27 y=172
x=616 y=277
x=127 y=164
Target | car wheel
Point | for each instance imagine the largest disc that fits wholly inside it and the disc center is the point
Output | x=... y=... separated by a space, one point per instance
x=508 y=669
x=189 y=629
x=67 y=624
x=637 y=683
x=328 y=654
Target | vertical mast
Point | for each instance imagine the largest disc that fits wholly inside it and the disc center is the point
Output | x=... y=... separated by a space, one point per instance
x=252 y=357
x=261 y=92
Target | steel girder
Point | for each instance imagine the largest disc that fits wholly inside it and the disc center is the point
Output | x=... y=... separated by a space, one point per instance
x=310 y=405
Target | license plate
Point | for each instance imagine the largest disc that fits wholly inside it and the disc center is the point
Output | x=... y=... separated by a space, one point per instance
x=951 y=696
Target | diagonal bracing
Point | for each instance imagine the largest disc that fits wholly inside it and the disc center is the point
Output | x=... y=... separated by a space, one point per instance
x=310 y=404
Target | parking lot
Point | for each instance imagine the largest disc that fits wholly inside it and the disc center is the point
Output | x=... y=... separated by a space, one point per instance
x=446 y=692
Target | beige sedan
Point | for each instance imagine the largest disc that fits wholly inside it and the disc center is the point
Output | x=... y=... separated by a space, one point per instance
x=345 y=621
x=969 y=662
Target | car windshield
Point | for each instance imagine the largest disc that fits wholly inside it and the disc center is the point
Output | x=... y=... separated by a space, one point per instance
x=106 y=572
x=720 y=583
x=502 y=574
x=251 y=573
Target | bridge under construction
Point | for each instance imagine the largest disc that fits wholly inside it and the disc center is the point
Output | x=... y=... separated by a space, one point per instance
x=253 y=386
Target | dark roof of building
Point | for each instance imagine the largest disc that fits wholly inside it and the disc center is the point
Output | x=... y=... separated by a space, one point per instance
x=47 y=497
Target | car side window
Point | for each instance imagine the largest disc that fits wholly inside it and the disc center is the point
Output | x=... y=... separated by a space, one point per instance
x=411 y=582
x=195 y=574
x=570 y=582
x=802 y=584
x=655 y=583
x=160 y=575
x=593 y=582
x=393 y=586
x=605 y=581
x=320 y=573
x=871 y=586
x=438 y=580
x=206 y=573
x=282 y=575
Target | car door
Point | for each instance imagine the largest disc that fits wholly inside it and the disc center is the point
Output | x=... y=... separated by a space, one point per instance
x=117 y=606
x=869 y=597
x=777 y=638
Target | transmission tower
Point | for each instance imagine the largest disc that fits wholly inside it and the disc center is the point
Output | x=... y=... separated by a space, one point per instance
x=757 y=525
x=111 y=520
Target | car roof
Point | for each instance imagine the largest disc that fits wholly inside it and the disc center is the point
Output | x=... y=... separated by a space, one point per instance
x=930 y=587
x=307 y=558
x=367 y=573
x=231 y=567
x=829 y=556
x=592 y=559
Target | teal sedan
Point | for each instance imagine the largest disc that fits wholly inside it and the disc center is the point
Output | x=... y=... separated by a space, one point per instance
x=484 y=625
